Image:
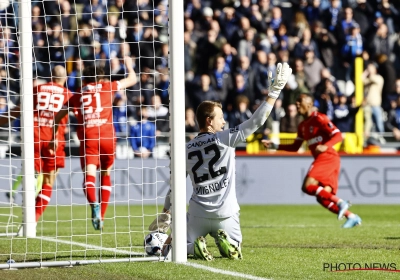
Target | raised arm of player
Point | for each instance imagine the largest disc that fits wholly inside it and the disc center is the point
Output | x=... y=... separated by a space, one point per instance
x=234 y=136
x=130 y=80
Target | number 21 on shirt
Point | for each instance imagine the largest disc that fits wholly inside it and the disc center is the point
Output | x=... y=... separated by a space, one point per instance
x=87 y=103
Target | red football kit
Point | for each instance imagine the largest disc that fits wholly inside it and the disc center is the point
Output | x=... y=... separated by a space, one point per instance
x=316 y=130
x=48 y=100
x=93 y=109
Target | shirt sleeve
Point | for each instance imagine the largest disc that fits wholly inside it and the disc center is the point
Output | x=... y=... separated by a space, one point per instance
x=327 y=126
x=115 y=86
x=232 y=137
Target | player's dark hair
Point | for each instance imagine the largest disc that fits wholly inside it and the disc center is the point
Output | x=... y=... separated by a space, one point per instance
x=92 y=74
x=206 y=110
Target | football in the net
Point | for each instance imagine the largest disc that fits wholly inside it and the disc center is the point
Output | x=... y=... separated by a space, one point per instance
x=153 y=243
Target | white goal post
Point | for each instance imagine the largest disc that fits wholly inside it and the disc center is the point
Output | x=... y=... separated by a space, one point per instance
x=63 y=235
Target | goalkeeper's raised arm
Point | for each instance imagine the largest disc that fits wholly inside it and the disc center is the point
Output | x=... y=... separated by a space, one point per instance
x=236 y=135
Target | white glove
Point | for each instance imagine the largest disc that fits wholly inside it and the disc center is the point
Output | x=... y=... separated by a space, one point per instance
x=161 y=223
x=281 y=77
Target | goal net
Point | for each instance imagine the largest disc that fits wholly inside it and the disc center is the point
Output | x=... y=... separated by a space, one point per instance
x=76 y=36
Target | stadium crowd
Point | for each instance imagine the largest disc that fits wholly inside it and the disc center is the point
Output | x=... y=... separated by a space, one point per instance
x=229 y=47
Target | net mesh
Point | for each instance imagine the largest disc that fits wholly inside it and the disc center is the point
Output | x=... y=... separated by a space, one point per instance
x=77 y=35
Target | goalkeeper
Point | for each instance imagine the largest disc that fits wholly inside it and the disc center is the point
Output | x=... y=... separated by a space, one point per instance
x=210 y=163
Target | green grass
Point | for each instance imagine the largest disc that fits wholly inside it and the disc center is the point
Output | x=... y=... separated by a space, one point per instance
x=279 y=242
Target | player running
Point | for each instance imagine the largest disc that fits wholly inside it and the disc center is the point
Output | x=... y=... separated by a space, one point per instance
x=48 y=100
x=93 y=109
x=322 y=178
x=210 y=163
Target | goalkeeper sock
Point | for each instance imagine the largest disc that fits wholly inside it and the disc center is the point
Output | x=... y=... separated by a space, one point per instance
x=321 y=193
x=105 y=193
x=89 y=188
x=42 y=200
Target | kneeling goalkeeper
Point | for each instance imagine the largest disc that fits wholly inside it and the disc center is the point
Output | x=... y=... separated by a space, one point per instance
x=210 y=163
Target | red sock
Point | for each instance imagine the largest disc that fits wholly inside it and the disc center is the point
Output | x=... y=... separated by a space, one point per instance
x=105 y=193
x=320 y=192
x=42 y=200
x=89 y=188
x=328 y=205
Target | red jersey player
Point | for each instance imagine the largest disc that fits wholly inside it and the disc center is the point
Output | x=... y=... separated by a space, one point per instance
x=93 y=109
x=48 y=100
x=322 y=177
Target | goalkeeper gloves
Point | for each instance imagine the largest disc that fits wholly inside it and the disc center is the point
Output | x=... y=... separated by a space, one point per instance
x=277 y=83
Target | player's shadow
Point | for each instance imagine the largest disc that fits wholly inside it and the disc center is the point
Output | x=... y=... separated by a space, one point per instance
x=392 y=238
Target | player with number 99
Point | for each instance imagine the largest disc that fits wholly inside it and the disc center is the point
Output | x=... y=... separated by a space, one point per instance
x=93 y=109
x=48 y=100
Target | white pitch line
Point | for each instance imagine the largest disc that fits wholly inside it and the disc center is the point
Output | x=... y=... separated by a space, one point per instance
x=221 y=271
x=211 y=269
x=88 y=246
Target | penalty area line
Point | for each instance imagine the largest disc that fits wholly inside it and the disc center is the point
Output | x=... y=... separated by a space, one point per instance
x=118 y=251
x=225 y=272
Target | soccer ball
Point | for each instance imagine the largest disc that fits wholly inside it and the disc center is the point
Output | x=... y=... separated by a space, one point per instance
x=153 y=243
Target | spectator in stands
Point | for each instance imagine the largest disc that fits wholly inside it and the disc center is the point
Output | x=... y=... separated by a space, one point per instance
x=393 y=122
x=312 y=68
x=299 y=24
x=163 y=85
x=241 y=112
x=382 y=43
x=313 y=11
x=189 y=56
x=146 y=90
x=276 y=18
x=204 y=92
x=142 y=135
x=116 y=70
x=331 y=17
x=207 y=49
x=93 y=14
x=244 y=24
x=327 y=44
x=221 y=80
x=158 y=113
x=120 y=115
x=373 y=85
x=74 y=80
x=324 y=99
x=344 y=113
x=247 y=73
x=290 y=122
x=306 y=43
x=352 y=48
x=246 y=45
x=191 y=126
x=260 y=67
x=110 y=44
x=230 y=55
x=388 y=72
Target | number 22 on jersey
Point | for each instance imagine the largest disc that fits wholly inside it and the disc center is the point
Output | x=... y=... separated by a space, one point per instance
x=200 y=161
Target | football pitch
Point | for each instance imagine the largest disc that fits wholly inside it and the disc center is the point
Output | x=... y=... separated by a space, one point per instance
x=279 y=242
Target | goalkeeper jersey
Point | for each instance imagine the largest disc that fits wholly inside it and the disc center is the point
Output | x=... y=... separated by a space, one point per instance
x=210 y=163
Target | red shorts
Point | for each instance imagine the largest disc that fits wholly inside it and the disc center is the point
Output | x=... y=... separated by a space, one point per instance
x=44 y=161
x=325 y=169
x=100 y=152
x=60 y=156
